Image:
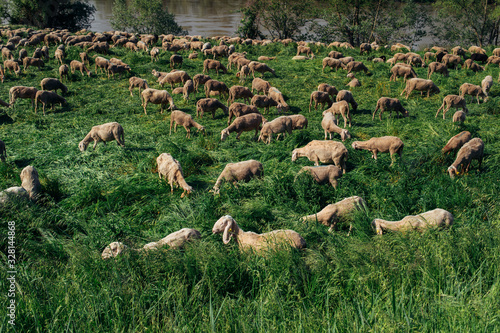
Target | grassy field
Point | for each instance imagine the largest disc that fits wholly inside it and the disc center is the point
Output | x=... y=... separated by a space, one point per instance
x=446 y=281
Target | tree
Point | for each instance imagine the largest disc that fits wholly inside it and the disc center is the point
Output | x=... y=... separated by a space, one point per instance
x=249 y=27
x=144 y=16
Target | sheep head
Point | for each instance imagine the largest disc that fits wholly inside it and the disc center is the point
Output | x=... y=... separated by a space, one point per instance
x=295 y=155
x=452 y=171
x=354 y=145
x=82 y=145
x=227 y=225
x=376 y=225
x=224 y=134
x=113 y=250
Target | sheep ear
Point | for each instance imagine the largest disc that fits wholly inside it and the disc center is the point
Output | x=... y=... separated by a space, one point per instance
x=226 y=237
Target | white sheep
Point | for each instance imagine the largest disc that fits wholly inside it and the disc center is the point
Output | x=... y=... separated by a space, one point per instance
x=452 y=101
x=437 y=218
x=279 y=125
x=170 y=169
x=242 y=124
x=324 y=152
x=323 y=174
x=104 y=132
x=329 y=125
x=390 y=144
x=185 y=120
x=240 y=171
x=472 y=150
x=155 y=96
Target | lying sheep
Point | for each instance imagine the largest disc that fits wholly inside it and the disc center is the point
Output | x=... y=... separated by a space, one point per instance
x=260 y=67
x=420 y=85
x=240 y=171
x=338 y=212
x=12 y=192
x=22 y=92
x=354 y=83
x=214 y=85
x=48 y=98
x=329 y=125
x=170 y=169
x=319 y=97
x=340 y=108
x=346 y=95
x=53 y=84
x=265 y=58
x=37 y=62
x=137 y=82
x=185 y=120
x=278 y=97
x=155 y=96
x=260 y=243
x=459 y=116
x=402 y=70
x=105 y=132
x=332 y=63
x=486 y=84
x=209 y=105
x=173 y=78
x=437 y=67
x=456 y=142
x=331 y=90
x=193 y=55
x=452 y=101
x=261 y=101
x=236 y=92
x=355 y=66
x=437 y=218
x=324 y=152
x=279 y=125
x=80 y=66
x=474 y=91
x=472 y=150
x=260 y=85
x=301 y=58
x=298 y=121
x=327 y=174
x=242 y=124
x=389 y=104
x=390 y=144
x=13 y=66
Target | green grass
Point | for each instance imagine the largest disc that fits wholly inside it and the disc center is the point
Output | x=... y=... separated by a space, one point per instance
x=445 y=281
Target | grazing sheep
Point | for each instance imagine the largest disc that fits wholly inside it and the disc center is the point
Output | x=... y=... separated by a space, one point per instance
x=221 y=50
x=6 y=53
x=341 y=108
x=452 y=101
x=459 y=116
x=240 y=109
x=170 y=169
x=335 y=54
x=105 y=132
x=240 y=171
x=102 y=64
x=13 y=66
x=458 y=50
x=209 y=105
x=415 y=59
x=346 y=95
x=319 y=97
x=33 y=62
x=260 y=67
x=261 y=85
x=193 y=55
x=437 y=67
x=261 y=101
x=324 y=152
x=331 y=90
x=137 y=82
x=173 y=78
x=456 y=142
x=355 y=66
x=22 y=92
x=236 y=92
x=30 y=182
x=479 y=57
x=338 y=212
x=402 y=70
x=329 y=125
x=200 y=79
x=323 y=174
x=260 y=243
x=214 y=85
x=304 y=49
x=187 y=89
x=47 y=98
x=53 y=84
x=389 y=104
x=63 y=71
x=59 y=54
x=277 y=96
x=437 y=218
x=298 y=121
x=279 y=125
x=493 y=60
x=233 y=59
x=469 y=64
x=471 y=150
x=420 y=85
x=243 y=73
x=365 y=48
x=453 y=60
x=390 y=144
x=486 y=84
x=213 y=64
x=428 y=56
x=185 y=120
x=116 y=69
x=474 y=91
x=332 y=63
x=242 y=124
x=354 y=83
x=84 y=58
x=155 y=96
x=155 y=52
x=80 y=66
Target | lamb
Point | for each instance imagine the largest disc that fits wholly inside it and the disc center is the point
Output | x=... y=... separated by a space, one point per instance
x=459 y=116
x=437 y=218
x=260 y=67
x=261 y=85
x=486 y=84
x=170 y=169
x=277 y=96
x=236 y=92
x=323 y=174
x=137 y=82
x=389 y=104
x=53 y=84
x=332 y=63
x=185 y=120
x=200 y=79
x=261 y=101
x=472 y=150
x=404 y=71
x=213 y=64
x=209 y=105
x=437 y=67
x=155 y=96
x=80 y=66
x=63 y=71
x=355 y=66
x=22 y=92
x=383 y=144
x=214 y=85
x=102 y=64
x=324 y=152
x=33 y=62
x=242 y=124
x=60 y=55
x=319 y=97
x=329 y=125
x=260 y=243
x=452 y=101
x=174 y=78
x=474 y=91
x=277 y=126
x=420 y=85
x=298 y=121
x=105 y=132
x=240 y=109
x=456 y=142
x=331 y=90
x=469 y=64
x=12 y=65
x=341 y=108
x=240 y=171
x=338 y=212
x=346 y=95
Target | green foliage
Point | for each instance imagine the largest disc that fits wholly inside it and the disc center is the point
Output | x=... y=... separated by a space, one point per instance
x=249 y=27
x=144 y=16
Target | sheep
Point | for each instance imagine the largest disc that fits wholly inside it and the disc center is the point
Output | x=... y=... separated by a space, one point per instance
x=11 y=192
x=221 y=50
x=242 y=61
x=6 y=53
x=341 y=108
x=47 y=97
x=265 y=58
x=60 y=55
x=233 y=58
x=486 y=84
x=261 y=101
x=479 y=57
x=354 y=83
x=155 y=52
x=63 y=71
x=450 y=59
x=2 y=73
x=390 y=144
x=193 y=55
x=456 y=142
x=471 y=150
x=240 y=171
x=242 y=124
x=277 y=96
x=319 y=97
x=389 y=104
x=33 y=62
x=437 y=218
x=459 y=116
x=240 y=109
x=3 y=152
x=335 y=54
x=155 y=96
x=53 y=84
x=402 y=70
x=469 y=64
x=170 y=169
x=105 y=132
x=332 y=63
x=420 y=85
x=260 y=85
x=365 y=47
x=185 y=120
x=355 y=66
x=260 y=67
x=338 y=212
x=236 y=92
x=437 y=67
x=80 y=66
x=102 y=64
x=415 y=59
x=304 y=49
x=214 y=85
x=452 y=101
x=209 y=105
x=200 y=79
x=329 y=125
x=496 y=52
x=137 y=82
x=323 y=151
x=22 y=92
x=213 y=64
x=173 y=78
x=428 y=56
x=298 y=121
x=279 y=125
x=187 y=89
x=493 y=60
x=331 y=90
x=474 y=91
x=115 y=69
x=398 y=46
x=346 y=95
x=323 y=174
x=84 y=58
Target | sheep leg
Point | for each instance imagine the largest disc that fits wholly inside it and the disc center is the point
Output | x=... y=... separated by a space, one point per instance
x=374 y=154
x=188 y=130
x=376 y=109
x=441 y=107
x=144 y=106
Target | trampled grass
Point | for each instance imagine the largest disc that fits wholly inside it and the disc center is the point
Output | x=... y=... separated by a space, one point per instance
x=433 y=281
